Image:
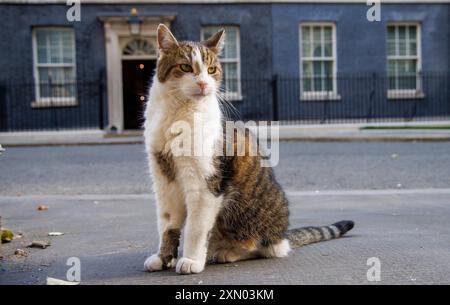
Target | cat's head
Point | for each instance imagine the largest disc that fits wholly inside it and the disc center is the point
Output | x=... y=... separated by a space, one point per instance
x=189 y=70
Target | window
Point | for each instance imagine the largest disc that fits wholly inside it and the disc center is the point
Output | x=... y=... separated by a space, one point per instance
x=54 y=67
x=138 y=48
x=403 y=60
x=318 y=61
x=230 y=59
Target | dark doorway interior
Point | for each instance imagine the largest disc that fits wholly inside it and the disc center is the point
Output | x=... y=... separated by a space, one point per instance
x=136 y=76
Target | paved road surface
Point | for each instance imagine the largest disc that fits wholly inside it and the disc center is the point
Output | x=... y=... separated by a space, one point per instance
x=409 y=233
x=122 y=169
x=407 y=229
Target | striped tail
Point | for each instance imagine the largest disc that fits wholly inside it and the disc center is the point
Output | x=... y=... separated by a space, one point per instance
x=308 y=235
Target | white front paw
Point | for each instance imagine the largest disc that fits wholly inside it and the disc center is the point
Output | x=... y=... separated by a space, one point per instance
x=187 y=266
x=153 y=263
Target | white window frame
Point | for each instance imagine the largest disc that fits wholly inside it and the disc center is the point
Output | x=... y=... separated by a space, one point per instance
x=407 y=93
x=231 y=96
x=319 y=95
x=51 y=101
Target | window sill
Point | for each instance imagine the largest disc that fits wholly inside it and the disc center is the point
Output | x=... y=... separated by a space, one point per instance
x=319 y=96
x=405 y=94
x=54 y=103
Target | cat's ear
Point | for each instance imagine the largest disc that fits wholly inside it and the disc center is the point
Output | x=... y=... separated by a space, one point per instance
x=215 y=42
x=166 y=40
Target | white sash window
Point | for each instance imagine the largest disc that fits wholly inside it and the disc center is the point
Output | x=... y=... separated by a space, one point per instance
x=230 y=59
x=54 y=67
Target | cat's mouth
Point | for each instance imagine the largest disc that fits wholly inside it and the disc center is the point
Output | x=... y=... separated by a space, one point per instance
x=200 y=95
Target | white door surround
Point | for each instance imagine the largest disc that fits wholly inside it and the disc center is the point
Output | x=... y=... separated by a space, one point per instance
x=117 y=37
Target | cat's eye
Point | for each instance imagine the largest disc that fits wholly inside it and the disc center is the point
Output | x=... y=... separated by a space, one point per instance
x=186 y=68
x=212 y=70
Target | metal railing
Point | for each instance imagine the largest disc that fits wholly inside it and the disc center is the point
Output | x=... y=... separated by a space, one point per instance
x=350 y=98
x=51 y=106
x=346 y=98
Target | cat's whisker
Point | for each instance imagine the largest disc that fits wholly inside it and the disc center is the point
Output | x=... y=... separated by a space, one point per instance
x=221 y=95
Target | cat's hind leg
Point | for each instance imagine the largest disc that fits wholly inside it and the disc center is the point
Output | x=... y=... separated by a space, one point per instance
x=223 y=250
x=223 y=256
x=234 y=254
x=279 y=249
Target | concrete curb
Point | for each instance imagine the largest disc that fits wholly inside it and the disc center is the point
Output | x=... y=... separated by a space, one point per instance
x=356 y=133
x=67 y=138
x=371 y=138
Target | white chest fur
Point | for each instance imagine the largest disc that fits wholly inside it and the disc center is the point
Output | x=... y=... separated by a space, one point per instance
x=195 y=125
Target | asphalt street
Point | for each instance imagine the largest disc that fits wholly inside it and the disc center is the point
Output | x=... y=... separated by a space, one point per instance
x=398 y=194
x=408 y=233
x=122 y=169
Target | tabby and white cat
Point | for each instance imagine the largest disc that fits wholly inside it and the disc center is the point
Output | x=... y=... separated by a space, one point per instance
x=231 y=208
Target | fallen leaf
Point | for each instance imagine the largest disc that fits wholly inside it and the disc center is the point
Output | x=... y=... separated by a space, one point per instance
x=20 y=252
x=7 y=235
x=55 y=233
x=42 y=207
x=53 y=281
x=39 y=244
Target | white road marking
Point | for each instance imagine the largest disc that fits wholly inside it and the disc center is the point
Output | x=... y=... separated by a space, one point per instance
x=115 y=197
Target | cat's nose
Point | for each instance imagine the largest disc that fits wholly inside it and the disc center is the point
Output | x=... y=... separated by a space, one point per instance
x=202 y=85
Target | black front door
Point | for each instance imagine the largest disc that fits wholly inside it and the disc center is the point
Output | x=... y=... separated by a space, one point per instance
x=136 y=76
